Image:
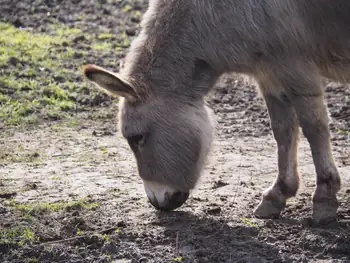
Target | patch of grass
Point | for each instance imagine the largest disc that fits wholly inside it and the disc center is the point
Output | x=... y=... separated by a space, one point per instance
x=101 y=45
x=20 y=157
x=29 y=87
x=127 y=8
x=108 y=257
x=125 y=40
x=42 y=73
x=79 y=232
x=52 y=97
x=30 y=260
x=63 y=31
x=106 y=237
x=178 y=259
x=72 y=123
x=137 y=14
x=104 y=36
x=37 y=208
x=81 y=17
x=104 y=149
x=19 y=45
x=55 y=178
x=17 y=236
x=249 y=222
x=343 y=131
x=105 y=42
x=69 y=122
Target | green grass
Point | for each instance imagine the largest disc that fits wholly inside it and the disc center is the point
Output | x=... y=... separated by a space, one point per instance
x=125 y=41
x=127 y=8
x=41 y=77
x=248 y=222
x=20 y=157
x=23 y=235
x=104 y=36
x=17 y=235
x=55 y=178
x=34 y=48
x=101 y=45
x=28 y=88
x=343 y=131
x=43 y=207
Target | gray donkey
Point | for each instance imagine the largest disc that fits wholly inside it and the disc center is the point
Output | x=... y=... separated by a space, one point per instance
x=183 y=48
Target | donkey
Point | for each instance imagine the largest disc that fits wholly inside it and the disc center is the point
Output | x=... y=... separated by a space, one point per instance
x=186 y=45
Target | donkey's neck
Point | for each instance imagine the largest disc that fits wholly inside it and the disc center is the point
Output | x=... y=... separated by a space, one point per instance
x=162 y=59
x=160 y=66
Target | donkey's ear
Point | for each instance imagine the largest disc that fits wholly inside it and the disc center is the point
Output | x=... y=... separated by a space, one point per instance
x=109 y=82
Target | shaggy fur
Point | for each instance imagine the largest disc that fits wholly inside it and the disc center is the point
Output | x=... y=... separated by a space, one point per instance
x=185 y=45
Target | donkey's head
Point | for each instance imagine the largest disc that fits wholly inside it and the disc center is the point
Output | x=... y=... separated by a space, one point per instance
x=169 y=136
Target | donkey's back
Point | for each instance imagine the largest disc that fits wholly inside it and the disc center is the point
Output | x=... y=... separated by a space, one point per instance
x=328 y=24
x=249 y=33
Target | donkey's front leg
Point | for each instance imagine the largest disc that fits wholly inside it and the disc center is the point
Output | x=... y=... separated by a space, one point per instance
x=313 y=117
x=285 y=129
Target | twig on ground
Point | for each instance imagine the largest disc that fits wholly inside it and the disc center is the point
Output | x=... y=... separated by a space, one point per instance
x=60 y=241
x=103 y=231
x=177 y=243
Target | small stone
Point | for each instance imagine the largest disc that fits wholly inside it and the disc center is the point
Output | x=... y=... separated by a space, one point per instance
x=3 y=209
x=75 y=213
x=109 y=247
x=269 y=223
x=106 y=11
x=130 y=32
x=14 y=61
x=79 y=39
x=8 y=195
x=59 y=79
x=77 y=55
x=135 y=20
x=121 y=224
x=214 y=211
x=18 y=23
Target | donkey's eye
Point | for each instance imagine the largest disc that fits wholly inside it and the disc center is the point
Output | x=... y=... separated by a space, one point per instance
x=137 y=139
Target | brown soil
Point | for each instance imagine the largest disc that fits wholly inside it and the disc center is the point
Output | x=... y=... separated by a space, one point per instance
x=59 y=161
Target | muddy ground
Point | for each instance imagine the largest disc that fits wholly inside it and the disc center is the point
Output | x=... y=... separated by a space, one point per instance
x=69 y=191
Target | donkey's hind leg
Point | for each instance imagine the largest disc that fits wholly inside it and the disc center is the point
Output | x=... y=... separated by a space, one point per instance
x=303 y=86
x=313 y=117
x=285 y=129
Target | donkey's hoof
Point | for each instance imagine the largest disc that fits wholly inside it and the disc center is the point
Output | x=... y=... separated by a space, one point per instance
x=268 y=209
x=324 y=211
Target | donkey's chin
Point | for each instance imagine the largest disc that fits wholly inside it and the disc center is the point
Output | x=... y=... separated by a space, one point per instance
x=164 y=197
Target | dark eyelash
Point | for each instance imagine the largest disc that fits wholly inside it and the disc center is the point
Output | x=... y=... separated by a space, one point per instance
x=136 y=138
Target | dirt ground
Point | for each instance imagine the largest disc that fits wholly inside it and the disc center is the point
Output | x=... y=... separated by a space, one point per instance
x=69 y=190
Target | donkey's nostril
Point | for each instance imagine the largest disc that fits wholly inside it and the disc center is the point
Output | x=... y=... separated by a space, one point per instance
x=170 y=201
x=177 y=199
x=154 y=202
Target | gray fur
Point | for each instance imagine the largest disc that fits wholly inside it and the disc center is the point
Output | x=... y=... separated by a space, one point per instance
x=285 y=45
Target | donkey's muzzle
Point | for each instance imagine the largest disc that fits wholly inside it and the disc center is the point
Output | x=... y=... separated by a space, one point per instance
x=170 y=201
